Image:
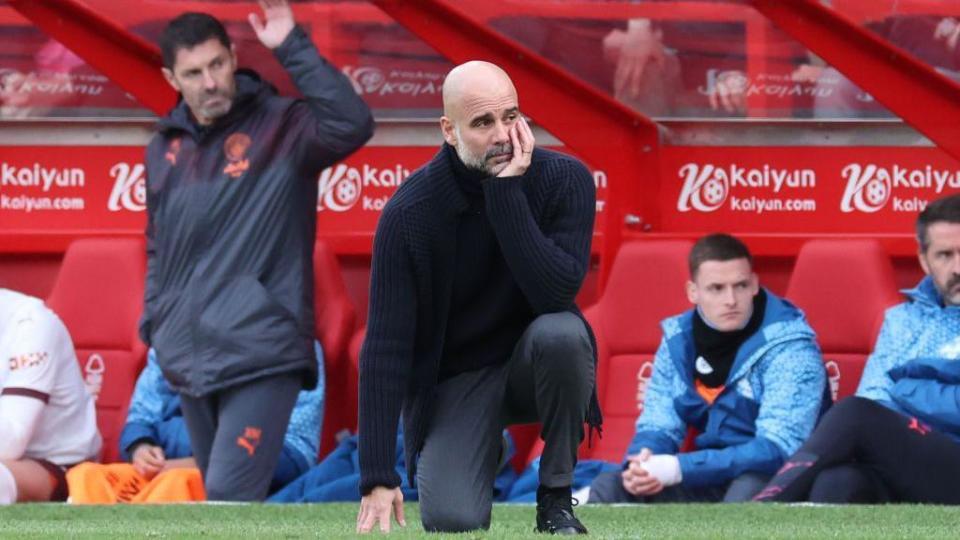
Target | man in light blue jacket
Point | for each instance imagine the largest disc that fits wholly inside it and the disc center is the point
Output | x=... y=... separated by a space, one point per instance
x=743 y=369
x=898 y=439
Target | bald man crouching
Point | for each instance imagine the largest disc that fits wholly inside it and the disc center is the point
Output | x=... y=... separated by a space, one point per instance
x=476 y=263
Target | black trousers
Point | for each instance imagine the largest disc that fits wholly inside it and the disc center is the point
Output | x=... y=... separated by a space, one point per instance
x=864 y=452
x=237 y=435
x=549 y=378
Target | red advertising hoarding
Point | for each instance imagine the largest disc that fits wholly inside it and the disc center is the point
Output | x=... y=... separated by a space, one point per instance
x=62 y=192
x=871 y=190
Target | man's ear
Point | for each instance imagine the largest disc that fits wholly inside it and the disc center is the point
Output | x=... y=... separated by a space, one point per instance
x=923 y=262
x=449 y=131
x=233 y=54
x=692 y=295
x=171 y=80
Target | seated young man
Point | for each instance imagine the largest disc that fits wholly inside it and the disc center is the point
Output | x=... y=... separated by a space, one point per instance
x=898 y=439
x=742 y=368
x=47 y=417
x=155 y=440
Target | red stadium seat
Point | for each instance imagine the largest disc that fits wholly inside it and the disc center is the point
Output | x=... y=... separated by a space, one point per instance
x=353 y=374
x=98 y=294
x=843 y=286
x=647 y=285
x=346 y=394
x=336 y=319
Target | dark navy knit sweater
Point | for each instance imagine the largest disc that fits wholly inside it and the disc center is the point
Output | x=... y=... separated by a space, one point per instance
x=488 y=312
x=543 y=224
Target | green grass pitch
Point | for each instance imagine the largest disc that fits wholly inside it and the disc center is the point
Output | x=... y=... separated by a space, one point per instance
x=509 y=521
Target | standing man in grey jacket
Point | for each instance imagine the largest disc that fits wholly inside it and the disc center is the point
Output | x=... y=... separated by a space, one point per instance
x=231 y=208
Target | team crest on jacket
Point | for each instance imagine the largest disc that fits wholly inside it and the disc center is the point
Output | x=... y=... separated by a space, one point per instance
x=235 y=149
x=703 y=367
x=172 y=150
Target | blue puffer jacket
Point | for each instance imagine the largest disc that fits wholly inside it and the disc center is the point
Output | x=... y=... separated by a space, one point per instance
x=155 y=417
x=773 y=397
x=914 y=369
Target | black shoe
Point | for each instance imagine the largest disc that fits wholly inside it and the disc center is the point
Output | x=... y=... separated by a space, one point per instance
x=555 y=513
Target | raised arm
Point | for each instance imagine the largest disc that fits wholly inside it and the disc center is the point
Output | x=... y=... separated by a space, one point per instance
x=333 y=120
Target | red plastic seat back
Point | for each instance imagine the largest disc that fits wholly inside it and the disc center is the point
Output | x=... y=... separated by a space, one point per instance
x=336 y=320
x=98 y=294
x=353 y=371
x=844 y=287
x=647 y=284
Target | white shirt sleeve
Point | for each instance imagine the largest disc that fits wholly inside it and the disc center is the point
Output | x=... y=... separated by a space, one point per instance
x=18 y=417
x=26 y=390
x=31 y=353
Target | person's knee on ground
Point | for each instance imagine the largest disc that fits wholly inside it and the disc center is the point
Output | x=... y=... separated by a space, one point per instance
x=454 y=518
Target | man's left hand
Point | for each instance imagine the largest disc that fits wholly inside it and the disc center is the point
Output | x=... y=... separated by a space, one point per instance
x=279 y=22
x=665 y=468
x=521 y=138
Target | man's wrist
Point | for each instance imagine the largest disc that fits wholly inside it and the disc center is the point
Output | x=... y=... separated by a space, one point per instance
x=292 y=36
x=285 y=39
x=135 y=445
x=371 y=489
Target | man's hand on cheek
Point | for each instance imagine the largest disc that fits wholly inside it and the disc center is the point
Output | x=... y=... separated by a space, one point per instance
x=521 y=138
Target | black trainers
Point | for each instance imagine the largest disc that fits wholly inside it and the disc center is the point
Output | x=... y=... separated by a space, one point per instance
x=555 y=513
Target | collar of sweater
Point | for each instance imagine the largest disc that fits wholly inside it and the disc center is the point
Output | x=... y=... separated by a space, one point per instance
x=468 y=179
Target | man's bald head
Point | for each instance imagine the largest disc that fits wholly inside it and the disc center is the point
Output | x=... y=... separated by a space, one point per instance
x=479 y=108
x=471 y=80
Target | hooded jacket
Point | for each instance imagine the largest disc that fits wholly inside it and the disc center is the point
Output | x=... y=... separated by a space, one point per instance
x=231 y=222
x=774 y=394
x=914 y=368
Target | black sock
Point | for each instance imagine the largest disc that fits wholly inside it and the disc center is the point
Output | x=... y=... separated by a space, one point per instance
x=563 y=491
